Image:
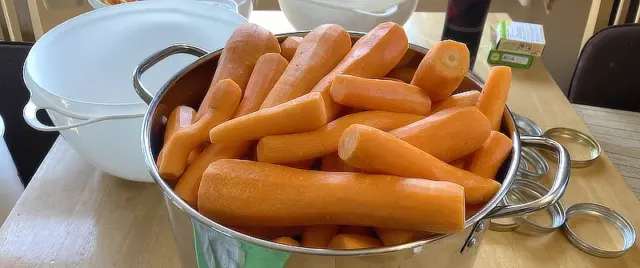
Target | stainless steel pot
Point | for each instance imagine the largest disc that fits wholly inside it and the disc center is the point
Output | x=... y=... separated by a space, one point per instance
x=205 y=243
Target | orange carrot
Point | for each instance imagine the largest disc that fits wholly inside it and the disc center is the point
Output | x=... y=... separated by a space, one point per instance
x=460 y=163
x=287 y=241
x=304 y=164
x=324 y=140
x=187 y=187
x=486 y=161
x=241 y=52
x=193 y=155
x=353 y=241
x=180 y=117
x=403 y=74
x=289 y=46
x=392 y=237
x=318 y=236
x=376 y=151
x=376 y=94
x=333 y=163
x=449 y=134
x=359 y=230
x=268 y=69
x=305 y=113
x=226 y=97
x=464 y=99
x=319 y=52
x=442 y=69
x=239 y=192
x=269 y=232
x=373 y=55
x=494 y=94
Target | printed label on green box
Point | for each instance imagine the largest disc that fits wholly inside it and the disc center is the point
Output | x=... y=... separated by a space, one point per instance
x=510 y=59
x=520 y=38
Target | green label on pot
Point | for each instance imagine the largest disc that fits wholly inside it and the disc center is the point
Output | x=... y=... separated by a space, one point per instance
x=214 y=249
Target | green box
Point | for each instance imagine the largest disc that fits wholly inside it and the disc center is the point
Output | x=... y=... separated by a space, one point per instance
x=520 y=38
x=510 y=59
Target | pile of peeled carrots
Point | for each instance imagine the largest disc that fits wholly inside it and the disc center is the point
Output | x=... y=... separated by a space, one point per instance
x=317 y=142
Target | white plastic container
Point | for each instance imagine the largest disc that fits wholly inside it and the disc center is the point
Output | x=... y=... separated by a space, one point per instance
x=80 y=73
x=353 y=15
x=244 y=7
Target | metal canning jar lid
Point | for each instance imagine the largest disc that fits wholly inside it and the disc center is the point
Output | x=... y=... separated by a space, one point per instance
x=526 y=126
x=583 y=139
x=528 y=190
x=539 y=164
x=616 y=219
x=523 y=191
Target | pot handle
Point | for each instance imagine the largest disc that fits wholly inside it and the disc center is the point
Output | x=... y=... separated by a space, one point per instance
x=147 y=63
x=30 y=109
x=557 y=189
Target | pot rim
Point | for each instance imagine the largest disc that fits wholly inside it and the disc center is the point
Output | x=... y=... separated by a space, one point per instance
x=195 y=215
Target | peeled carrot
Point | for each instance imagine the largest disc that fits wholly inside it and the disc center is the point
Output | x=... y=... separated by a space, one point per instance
x=376 y=94
x=287 y=241
x=318 y=236
x=180 y=117
x=494 y=94
x=289 y=46
x=460 y=163
x=359 y=230
x=305 y=113
x=392 y=237
x=402 y=74
x=319 y=52
x=332 y=162
x=464 y=99
x=449 y=134
x=268 y=69
x=240 y=54
x=226 y=97
x=193 y=155
x=373 y=55
x=376 y=151
x=486 y=161
x=269 y=232
x=353 y=241
x=187 y=187
x=324 y=140
x=442 y=69
x=304 y=164
x=238 y=192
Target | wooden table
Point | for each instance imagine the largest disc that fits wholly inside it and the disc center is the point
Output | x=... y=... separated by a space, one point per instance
x=72 y=215
x=619 y=134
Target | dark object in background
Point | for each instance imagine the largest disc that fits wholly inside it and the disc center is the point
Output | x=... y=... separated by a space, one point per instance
x=606 y=74
x=28 y=146
x=464 y=23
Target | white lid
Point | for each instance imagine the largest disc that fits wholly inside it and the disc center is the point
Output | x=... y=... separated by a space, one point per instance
x=91 y=58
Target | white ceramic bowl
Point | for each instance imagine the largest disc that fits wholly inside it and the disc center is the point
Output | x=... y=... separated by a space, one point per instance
x=80 y=73
x=307 y=14
x=244 y=7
